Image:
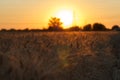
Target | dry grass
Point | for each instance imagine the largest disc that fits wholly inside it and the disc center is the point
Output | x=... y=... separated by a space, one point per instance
x=60 y=56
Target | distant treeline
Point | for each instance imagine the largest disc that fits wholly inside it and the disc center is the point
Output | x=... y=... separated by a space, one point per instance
x=88 y=27
x=56 y=25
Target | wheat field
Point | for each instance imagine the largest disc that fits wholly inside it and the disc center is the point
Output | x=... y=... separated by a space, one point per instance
x=60 y=55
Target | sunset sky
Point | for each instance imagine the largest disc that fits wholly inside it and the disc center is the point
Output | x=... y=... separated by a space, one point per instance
x=20 y=14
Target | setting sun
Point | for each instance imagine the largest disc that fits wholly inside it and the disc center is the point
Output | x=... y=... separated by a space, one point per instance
x=66 y=17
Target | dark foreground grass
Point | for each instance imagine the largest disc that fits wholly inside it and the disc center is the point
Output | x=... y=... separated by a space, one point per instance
x=60 y=56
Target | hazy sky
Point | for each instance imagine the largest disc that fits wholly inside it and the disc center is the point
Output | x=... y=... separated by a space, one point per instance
x=35 y=13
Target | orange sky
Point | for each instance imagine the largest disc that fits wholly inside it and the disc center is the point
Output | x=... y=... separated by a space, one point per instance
x=20 y=14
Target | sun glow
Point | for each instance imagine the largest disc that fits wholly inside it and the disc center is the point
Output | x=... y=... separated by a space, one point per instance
x=66 y=17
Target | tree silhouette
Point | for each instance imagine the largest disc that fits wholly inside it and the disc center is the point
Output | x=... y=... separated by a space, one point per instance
x=55 y=24
x=87 y=27
x=98 y=27
x=116 y=28
x=3 y=30
x=12 y=30
x=74 y=28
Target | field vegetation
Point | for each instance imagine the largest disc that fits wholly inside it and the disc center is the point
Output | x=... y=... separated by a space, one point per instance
x=60 y=55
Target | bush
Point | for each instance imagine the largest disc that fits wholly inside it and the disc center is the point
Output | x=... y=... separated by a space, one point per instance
x=98 y=27
x=87 y=27
x=116 y=28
